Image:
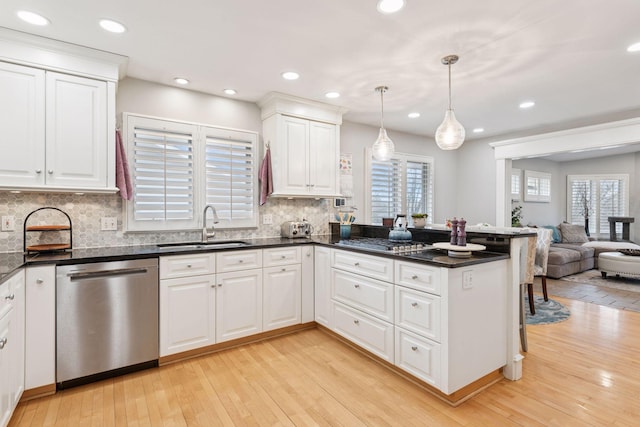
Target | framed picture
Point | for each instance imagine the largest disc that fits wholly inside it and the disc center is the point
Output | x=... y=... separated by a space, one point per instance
x=537 y=186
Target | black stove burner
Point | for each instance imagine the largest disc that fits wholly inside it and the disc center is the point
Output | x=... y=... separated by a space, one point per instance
x=384 y=245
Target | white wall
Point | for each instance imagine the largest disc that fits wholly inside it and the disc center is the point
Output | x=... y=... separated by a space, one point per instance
x=537 y=213
x=475 y=189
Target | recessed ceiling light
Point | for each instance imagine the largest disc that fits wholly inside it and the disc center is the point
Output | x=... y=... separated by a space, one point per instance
x=181 y=81
x=112 y=26
x=634 y=47
x=413 y=115
x=390 y=6
x=478 y=130
x=527 y=104
x=332 y=95
x=290 y=75
x=32 y=18
x=230 y=91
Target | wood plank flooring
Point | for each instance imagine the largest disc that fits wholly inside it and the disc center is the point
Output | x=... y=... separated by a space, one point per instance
x=581 y=372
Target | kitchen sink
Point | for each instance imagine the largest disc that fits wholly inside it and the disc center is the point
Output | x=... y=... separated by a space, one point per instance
x=220 y=244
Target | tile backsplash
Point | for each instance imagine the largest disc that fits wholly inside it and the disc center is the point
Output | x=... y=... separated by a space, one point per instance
x=86 y=212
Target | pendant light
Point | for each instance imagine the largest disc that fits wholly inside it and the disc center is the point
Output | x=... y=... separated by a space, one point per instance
x=383 y=147
x=450 y=134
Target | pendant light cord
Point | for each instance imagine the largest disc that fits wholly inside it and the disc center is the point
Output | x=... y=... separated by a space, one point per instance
x=382 y=108
x=449 y=85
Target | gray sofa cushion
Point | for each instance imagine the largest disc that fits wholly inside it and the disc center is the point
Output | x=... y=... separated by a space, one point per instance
x=573 y=233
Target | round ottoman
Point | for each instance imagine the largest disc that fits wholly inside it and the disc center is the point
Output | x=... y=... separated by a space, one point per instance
x=618 y=264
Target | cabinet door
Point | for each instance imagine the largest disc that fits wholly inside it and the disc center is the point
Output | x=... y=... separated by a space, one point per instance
x=6 y=342
x=17 y=334
x=307 y=284
x=281 y=296
x=323 y=159
x=22 y=118
x=322 y=285
x=238 y=304
x=187 y=313
x=294 y=156
x=40 y=336
x=76 y=132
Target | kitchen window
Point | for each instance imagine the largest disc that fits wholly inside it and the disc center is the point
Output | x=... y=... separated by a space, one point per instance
x=597 y=197
x=177 y=168
x=403 y=184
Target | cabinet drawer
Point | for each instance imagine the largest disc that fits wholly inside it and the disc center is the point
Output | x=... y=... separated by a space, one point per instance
x=187 y=265
x=418 y=356
x=238 y=260
x=418 y=312
x=281 y=256
x=372 y=266
x=368 y=332
x=372 y=296
x=418 y=276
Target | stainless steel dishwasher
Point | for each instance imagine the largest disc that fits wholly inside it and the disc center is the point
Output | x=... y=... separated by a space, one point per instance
x=107 y=319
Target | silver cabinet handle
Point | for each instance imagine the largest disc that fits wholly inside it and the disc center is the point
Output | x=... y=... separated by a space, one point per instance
x=284 y=269
x=3 y=342
x=10 y=297
x=414 y=277
x=241 y=261
x=219 y=285
x=38 y=170
x=188 y=265
x=39 y=281
x=283 y=256
x=414 y=304
x=356 y=321
x=414 y=348
x=357 y=286
x=357 y=264
x=50 y=171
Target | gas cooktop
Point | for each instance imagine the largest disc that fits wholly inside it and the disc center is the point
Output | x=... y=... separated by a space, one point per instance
x=385 y=245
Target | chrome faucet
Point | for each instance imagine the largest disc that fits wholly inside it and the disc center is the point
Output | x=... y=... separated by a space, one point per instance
x=206 y=234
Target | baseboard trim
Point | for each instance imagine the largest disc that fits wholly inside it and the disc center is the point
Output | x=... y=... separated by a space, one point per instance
x=36 y=392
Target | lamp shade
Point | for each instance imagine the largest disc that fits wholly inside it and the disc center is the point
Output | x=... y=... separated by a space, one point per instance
x=383 y=148
x=450 y=134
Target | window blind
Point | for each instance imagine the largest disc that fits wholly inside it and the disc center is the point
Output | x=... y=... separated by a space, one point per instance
x=599 y=197
x=229 y=177
x=162 y=175
x=386 y=190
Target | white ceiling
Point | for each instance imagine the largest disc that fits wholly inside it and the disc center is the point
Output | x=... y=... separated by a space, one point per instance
x=568 y=56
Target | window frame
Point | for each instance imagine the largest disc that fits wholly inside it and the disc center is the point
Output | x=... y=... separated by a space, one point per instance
x=131 y=120
x=542 y=180
x=404 y=158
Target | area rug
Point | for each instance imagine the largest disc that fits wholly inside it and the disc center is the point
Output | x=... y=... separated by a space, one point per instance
x=547 y=312
x=593 y=277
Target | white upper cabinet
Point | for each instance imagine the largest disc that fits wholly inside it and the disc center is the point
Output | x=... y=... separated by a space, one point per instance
x=22 y=122
x=304 y=137
x=76 y=132
x=57 y=115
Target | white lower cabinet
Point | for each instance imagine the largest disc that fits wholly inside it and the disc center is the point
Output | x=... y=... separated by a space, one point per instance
x=367 y=331
x=40 y=327
x=187 y=313
x=322 y=286
x=418 y=356
x=238 y=304
x=418 y=312
x=12 y=328
x=281 y=296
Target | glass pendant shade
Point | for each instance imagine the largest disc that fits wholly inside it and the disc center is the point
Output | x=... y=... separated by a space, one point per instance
x=450 y=134
x=383 y=148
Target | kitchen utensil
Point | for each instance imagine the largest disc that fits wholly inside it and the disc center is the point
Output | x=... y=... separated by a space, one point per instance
x=399 y=233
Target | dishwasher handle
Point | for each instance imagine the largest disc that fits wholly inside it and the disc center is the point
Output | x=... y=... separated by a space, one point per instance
x=82 y=275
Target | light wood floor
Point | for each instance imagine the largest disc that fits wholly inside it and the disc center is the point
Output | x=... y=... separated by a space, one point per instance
x=581 y=372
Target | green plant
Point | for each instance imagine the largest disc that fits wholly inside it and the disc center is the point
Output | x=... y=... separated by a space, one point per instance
x=419 y=215
x=516 y=216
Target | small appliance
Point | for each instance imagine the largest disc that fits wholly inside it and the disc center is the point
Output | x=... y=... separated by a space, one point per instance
x=295 y=229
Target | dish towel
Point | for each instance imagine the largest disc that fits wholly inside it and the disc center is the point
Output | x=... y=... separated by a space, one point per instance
x=123 y=180
x=265 y=177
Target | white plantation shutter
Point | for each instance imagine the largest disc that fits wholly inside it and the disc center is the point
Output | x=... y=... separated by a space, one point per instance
x=386 y=190
x=230 y=171
x=402 y=185
x=162 y=164
x=177 y=168
x=603 y=195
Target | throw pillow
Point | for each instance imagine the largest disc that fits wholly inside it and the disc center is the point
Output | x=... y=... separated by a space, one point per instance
x=573 y=233
x=555 y=237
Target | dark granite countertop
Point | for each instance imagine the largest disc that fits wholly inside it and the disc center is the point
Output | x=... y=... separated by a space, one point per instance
x=11 y=262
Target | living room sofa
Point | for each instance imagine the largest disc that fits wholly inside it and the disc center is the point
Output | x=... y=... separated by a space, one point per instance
x=572 y=251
